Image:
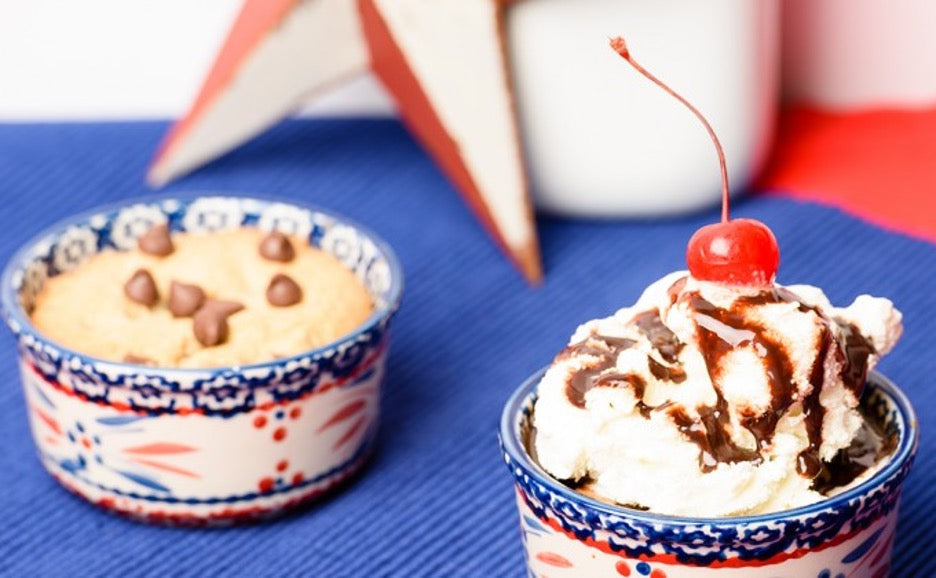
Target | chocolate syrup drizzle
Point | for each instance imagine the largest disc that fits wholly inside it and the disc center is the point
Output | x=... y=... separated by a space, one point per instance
x=855 y=364
x=719 y=332
x=870 y=445
x=661 y=337
x=662 y=372
x=807 y=462
x=733 y=328
x=604 y=351
x=710 y=433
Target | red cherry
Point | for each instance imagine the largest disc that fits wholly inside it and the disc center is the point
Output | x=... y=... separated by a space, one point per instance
x=737 y=252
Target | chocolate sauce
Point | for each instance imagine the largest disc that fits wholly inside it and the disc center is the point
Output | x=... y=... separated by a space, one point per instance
x=869 y=446
x=622 y=380
x=676 y=289
x=604 y=351
x=635 y=383
x=720 y=331
x=710 y=433
x=663 y=340
x=661 y=337
x=595 y=345
x=662 y=372
x=856 y=347
x=855 y=365
x=808 y=463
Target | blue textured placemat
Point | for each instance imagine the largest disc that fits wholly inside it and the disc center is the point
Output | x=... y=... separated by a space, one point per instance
x=437 y=500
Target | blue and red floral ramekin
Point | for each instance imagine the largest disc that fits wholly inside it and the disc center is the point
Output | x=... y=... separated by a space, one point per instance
x=850 y=535
x=202 y=446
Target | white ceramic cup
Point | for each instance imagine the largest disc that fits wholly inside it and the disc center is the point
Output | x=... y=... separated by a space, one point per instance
x=601 y=140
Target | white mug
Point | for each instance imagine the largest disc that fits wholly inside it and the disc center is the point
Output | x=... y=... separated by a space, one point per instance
x=601 y=140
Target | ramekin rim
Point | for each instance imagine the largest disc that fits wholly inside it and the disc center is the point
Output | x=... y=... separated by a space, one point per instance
x=906 y=449
x=12 y=311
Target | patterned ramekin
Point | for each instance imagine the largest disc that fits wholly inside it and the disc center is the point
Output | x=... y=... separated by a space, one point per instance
x=202 y=446
x=849 y=535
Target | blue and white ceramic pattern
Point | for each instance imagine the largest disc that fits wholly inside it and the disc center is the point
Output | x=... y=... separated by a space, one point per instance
x=202 y=446
x=848 y=535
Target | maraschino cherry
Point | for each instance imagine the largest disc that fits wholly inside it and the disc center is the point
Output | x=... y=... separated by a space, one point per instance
x=733 y=252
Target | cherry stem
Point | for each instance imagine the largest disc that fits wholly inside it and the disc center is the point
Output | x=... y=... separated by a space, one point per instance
x=620 y=47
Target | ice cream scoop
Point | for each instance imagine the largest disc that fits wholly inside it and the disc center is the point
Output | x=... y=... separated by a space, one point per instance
x=709 y=400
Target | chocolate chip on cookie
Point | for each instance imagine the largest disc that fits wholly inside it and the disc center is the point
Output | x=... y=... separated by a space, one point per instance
x=283 y=291
x=226 y=308
x=141 y=288
x=185 y=299
x=210 y=322
x=277 y=247
x=156 y=241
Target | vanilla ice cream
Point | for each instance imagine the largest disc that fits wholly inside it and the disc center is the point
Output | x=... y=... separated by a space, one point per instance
x=711 y=400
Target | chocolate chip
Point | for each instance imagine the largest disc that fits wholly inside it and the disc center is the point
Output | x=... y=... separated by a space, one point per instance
x=138 y=359
x=283 y=291
x=210 y=327
x=156 y=241
x=226 y=308
x=210 y=322
x=141 y=288
x=276 y=247
x=185 y=299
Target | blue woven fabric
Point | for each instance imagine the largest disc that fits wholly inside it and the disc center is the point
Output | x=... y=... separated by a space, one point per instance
x=437 y=499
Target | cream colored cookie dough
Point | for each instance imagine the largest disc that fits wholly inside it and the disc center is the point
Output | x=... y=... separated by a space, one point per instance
x=86 y=309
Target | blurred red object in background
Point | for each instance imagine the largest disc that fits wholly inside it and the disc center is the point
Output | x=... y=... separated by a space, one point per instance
x=878 y=164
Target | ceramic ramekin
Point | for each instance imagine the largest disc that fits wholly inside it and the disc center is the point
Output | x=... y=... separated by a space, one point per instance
x=202 y=446
x=848 y=535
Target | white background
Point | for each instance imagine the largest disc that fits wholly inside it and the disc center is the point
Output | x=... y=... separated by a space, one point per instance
x=104 y=59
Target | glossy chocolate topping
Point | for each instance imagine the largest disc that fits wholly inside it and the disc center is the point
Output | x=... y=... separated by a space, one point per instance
x=719 y=331
x=662 y=372
x=808 y=462
x=722 y=330
x=870 y=445
x=598 y=372
x=710 y=433
x=676 y=289
x=661 y=337
x=604 y=351
x=855 y=364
